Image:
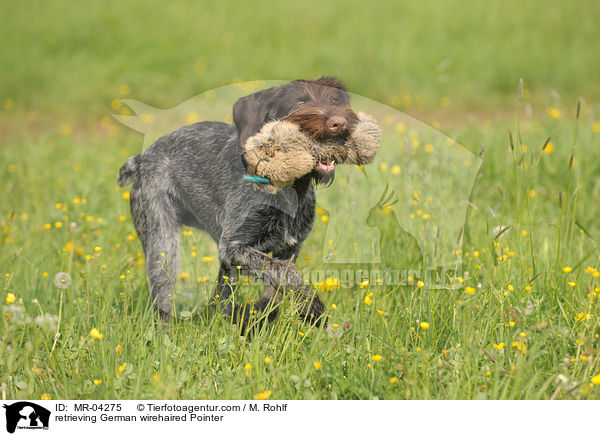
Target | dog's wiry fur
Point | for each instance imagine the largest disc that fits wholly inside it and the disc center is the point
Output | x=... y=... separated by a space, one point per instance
x=193 y=177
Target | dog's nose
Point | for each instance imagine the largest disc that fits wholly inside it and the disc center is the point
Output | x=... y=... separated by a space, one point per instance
x=337 y=124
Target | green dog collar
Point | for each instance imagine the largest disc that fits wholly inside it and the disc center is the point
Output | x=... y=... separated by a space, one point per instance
x=255 y=179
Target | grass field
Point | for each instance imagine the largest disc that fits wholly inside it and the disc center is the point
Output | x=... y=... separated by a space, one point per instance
x=522 y=324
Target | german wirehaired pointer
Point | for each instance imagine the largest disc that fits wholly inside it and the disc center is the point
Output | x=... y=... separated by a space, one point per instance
x=193 y=177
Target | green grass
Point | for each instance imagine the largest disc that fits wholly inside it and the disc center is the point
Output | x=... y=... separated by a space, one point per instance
x=204 y=357
x=75 y=59
x=60 y=155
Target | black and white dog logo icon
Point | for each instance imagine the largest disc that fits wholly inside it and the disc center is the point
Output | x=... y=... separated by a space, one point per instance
x=26 y=415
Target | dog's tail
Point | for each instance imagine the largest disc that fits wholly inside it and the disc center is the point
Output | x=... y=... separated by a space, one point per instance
x=129 y=170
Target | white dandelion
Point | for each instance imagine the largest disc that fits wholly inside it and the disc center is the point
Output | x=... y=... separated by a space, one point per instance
x=62 y=280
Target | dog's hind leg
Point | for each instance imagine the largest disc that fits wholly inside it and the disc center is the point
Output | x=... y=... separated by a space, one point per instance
x=157 y=229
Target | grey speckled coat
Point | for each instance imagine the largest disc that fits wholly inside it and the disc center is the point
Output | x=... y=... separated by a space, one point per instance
x=193 y=177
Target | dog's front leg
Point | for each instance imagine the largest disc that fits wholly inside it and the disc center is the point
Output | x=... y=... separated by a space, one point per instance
x=280 y=275
x=272 y=295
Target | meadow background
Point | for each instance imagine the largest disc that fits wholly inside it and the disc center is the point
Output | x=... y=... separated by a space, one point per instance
x=524 y=324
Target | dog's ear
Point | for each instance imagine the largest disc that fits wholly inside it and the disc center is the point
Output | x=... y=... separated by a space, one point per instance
x=251 y=112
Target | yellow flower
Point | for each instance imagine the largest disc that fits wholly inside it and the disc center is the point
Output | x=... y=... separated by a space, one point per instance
x=396 y=169
x=572 y=284
x=330 y=284
x=263 y=395
x=394 y=380
x=58 y=224
x=191 y=117
x=122 y=218
x=324 y=218
x=122 y=367
x=267 y=360
x=511 y=323
x=125 y=195
x=118 y=349
x=333 y=306
x=596 y=379
x=317 y=365
x=97 y=249
x=368 y=300
x=247 y=367
x=155 y=377
x=10 y=298
x=207 y=259
x=94 y=333
x=46 y=397
x=583 y=316
x=364 y=284
x=528 y=288
x=553 y=112
x=567 y=269
x=98 y=382
x=549 y=148
x=511 y=288
x=499 y=346
x=469 y=290
x=420 y=284
x=519 y=346
x=377 y=357
x=522 y=334
x=424 y=325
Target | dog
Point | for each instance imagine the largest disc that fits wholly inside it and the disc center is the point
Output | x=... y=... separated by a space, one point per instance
x=194 y=177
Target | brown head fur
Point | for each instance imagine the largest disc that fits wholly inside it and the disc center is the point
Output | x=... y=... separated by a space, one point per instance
x=327 y=99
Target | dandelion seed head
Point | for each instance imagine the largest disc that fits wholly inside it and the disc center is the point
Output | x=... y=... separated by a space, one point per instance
x=62 y=280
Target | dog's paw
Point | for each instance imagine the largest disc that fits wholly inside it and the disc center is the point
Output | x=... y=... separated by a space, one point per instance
x=312 y=310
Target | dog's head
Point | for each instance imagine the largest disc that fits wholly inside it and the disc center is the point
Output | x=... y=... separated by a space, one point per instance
x=320 y=108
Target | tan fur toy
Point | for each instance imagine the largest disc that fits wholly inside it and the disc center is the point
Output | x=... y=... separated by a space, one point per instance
x=282 y=153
